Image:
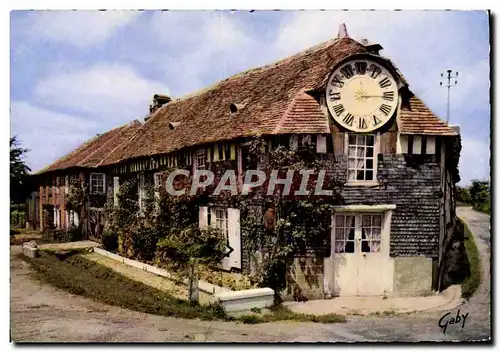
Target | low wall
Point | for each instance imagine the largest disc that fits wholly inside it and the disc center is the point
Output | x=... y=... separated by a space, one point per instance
x=412 y=275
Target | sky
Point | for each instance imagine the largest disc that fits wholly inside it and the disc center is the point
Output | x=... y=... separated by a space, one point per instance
x=75 y=74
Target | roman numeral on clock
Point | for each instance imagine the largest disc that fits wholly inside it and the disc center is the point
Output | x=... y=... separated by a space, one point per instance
x=388 y=96
x=362 y=123
x=349 y=119
x=386 y=109
x=376 y=121
x=375 y=71
x=334 y=96
x=384 y=83
x=339 y=109
x=347 y=71
x=360 y=67
x=337 y=82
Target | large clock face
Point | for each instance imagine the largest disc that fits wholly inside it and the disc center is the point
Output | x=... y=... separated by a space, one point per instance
x=362 y=95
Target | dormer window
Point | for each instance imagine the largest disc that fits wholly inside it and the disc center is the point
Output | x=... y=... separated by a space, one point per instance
x=201 y=159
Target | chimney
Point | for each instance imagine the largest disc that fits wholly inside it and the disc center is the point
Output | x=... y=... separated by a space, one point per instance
x=158 y=101
x=372 y=48
x=343 y=31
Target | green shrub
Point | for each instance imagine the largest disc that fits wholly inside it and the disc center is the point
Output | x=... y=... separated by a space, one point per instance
x=207 y=245
x=250 y=319
x=110 y=240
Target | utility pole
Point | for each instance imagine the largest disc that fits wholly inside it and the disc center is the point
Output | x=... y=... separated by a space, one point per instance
x=449 y=76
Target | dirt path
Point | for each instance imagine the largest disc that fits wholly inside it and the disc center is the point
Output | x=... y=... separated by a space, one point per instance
x=40 y=312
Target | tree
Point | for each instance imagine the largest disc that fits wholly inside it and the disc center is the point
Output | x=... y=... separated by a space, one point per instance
x=19 y=172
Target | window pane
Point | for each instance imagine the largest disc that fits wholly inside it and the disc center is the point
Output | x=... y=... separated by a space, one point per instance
x=361 y=140
x=349 y=221
x=352 y=163
x=352 y=151
x=365 y=246
x=360 y=152
x=350 y=235
x=367 y=220
x=375 y=233
x=369 y=152
x=339 y=234
x=360 y=164
x=352 y=139
x=369 y=175
x=369 y=163
x=375 y=246
x=369 y=140
x=360 y=175
x=339 y=220
x=349 y=247
x=377 y=220
x=352 y=175
x=339 y=246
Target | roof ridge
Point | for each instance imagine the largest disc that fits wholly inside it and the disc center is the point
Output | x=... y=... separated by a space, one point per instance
x=119 y=145
x=271 y=65
x=120 y=128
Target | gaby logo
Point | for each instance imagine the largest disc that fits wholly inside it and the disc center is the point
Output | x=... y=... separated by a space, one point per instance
x=447 y=319
x=251 y=180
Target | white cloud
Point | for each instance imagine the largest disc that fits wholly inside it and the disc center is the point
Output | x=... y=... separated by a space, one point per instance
x=111 y=92
x=48 y=134
x=79 y=28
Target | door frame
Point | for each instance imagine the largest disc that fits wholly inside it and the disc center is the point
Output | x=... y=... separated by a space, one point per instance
x=333 y=263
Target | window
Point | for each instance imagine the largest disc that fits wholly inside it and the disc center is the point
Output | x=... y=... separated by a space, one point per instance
x=97 y=184
x=201 y=159
x=157 y=179
x=344 y=233
x=362 y=160
x=371 y=229
x=221 y=220
x=367 y=228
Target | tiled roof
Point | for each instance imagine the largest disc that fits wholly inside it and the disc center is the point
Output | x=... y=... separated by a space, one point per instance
x=268 y=91
x=304 y=115
x=417 y=118
x=94 y=151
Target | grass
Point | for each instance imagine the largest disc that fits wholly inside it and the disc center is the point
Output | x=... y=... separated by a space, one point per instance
x=70 y=271
x=281 y=313
x=470 y=284
x=81 y=276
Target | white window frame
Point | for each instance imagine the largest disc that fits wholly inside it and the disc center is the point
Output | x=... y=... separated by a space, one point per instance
x=365 y=232
x=220 y=222
x=376 y=151
x=92 y=179
x=157 y=184
x=199 y=155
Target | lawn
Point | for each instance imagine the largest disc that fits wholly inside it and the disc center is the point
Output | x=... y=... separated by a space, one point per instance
x=470 y=284
x=76 y=274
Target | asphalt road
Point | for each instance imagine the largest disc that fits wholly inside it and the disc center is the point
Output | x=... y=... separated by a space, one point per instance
x=40 y=312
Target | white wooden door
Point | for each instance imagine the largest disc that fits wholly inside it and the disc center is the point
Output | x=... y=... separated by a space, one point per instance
x=360 y=254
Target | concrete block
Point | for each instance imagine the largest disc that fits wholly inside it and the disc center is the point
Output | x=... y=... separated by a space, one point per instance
x=246 y=299
x=30 y=252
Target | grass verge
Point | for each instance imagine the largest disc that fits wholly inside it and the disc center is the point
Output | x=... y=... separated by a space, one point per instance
x=470 y=284
x=74 y=273
x=280 y=313
x=81 y=276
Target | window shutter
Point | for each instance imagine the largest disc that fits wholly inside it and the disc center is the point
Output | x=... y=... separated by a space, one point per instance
x=234 y=237
x=116 y=188
x=76 y=219
x=203 y=217
x=320 y=144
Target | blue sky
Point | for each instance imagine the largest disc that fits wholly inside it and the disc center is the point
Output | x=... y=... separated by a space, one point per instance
x=78 y=73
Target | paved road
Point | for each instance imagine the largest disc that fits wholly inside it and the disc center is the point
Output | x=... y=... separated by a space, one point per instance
x=40 y=312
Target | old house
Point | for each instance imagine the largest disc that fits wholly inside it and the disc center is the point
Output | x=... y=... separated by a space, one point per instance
x=84 y=167
x=394 y=159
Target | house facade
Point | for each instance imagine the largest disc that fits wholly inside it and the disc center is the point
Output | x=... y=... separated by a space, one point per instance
x=391 y=162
